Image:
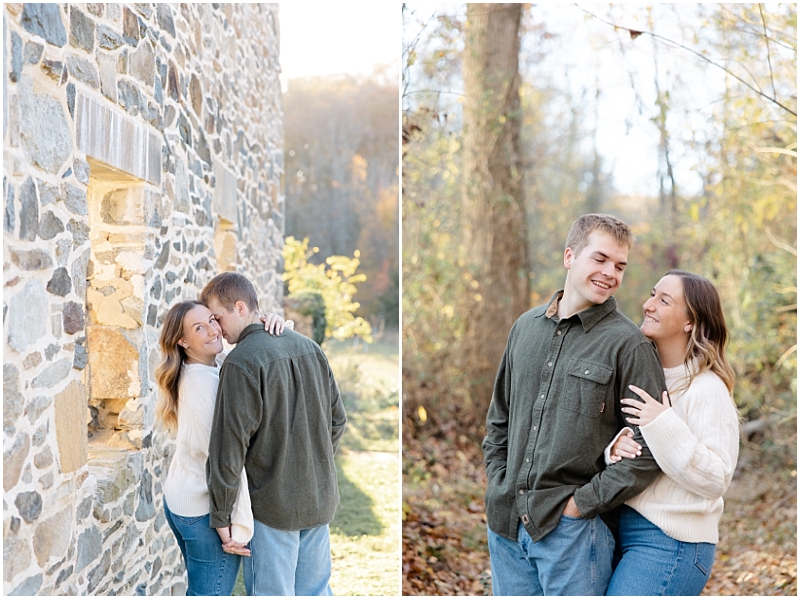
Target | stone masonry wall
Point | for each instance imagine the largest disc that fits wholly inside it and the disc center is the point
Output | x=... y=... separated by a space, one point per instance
x=142 y=153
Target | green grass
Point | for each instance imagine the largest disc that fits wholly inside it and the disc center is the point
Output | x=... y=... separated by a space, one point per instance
x=365 y=534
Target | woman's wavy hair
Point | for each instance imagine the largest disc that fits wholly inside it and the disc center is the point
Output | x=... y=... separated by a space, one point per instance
x=168 y=373
x=709 y=334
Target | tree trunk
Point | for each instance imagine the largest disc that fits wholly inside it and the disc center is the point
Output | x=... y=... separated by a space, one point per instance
x=494 y=210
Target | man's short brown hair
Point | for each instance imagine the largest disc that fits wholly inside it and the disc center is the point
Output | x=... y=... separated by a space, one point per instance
x=229 y=288
x=581 y=229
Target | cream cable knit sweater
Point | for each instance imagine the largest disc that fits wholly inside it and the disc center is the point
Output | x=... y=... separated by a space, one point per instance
x=185 y=489
x=696 y=445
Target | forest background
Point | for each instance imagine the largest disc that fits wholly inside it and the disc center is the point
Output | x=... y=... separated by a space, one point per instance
x=679 y=119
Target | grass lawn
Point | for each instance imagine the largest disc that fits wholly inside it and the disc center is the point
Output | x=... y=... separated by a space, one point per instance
x=365 y=534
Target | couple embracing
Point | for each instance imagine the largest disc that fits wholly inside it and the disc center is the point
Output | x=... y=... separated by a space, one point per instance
x=609 y=446
x=253 y=476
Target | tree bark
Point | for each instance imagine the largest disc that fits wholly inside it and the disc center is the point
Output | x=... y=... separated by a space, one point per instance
x=495 y=228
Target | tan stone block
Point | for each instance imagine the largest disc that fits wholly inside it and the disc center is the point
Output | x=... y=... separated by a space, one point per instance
x=51 y=537
x=108 y=311
x=114 y=364
x=70 y=407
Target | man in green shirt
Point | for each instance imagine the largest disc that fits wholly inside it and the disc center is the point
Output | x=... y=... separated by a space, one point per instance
x=278 y=413
x=554 y=410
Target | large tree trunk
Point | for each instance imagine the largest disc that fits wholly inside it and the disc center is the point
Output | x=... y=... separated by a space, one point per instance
x=493 y=195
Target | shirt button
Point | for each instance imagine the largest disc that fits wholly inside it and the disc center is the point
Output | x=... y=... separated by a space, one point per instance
x=558 y=332
x=542 y=396
x=528 y=460
x=522 y=491
x=525 y=518
x=585 y=372
x=536 y=428
x=549 y=363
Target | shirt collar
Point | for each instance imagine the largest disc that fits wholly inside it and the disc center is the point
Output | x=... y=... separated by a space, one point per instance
x=251 y=328
x=588 y=317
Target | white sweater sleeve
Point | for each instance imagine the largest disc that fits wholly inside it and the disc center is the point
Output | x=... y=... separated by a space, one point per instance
x=700 y=454
x=242 y=526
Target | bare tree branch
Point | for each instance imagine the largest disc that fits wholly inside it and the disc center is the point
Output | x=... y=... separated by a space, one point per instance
x=636 y=33
x=769 y=58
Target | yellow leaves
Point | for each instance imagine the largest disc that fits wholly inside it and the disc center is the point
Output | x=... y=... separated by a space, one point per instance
x=694 y=212
x=422 y=413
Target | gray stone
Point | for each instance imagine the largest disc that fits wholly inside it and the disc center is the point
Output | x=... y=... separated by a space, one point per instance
x=37 y=406
x=155 y=290
x=80 y=272
x=164 y=16
x=51 y=351
x=73 y=318
x=152 y=315
x=60 y=284
x=90 y=544
x=51 y=537
x=43 y=459
x=99 y=572
x=108 y=39
x=32 y=52
x=83 y=70
x=29 y=505
x=63 y=575
x=48 y=194
x=71 y=99
x=81 y=357
x=50 y=226
x=63 y=247
x=80 y=232
x=44 y=20
x=9 y=218
x=84 y=509
x=108 y=75
x=29 y=587
x=75 y=200
x=145 y=509
x=130 y=97
x=81 y=170
x=16 y=57
x=53 y=374
x=96 y=8
x=26 y=323
x=53 y=69
x=16 y=557
x=46 y=480
x=13 y=401
x=160 y=520
x=29 y=211
x=142 y=64
x=43 y=127
x=14 y=460
x=81 y=30
x=163 y=257
x=32 y=259
x=40 y=436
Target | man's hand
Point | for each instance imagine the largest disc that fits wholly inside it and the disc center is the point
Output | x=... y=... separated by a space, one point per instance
x=231 y=546
x=572 y=509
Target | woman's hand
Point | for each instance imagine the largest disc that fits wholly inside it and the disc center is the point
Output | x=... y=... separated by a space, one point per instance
x=229 y=545
x=625 y=447
x=644 y=412
x=273 y=323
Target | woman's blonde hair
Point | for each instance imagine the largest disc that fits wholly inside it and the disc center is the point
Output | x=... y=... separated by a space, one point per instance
x=709 y=334
x=168 y=373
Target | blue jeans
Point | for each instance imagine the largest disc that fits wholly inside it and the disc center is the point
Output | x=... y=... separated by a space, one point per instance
x=573 y=559
x=288 y=562
x=654 y=564
x=209 y=569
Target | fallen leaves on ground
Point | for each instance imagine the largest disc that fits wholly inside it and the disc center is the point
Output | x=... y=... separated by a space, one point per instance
x=444 y=525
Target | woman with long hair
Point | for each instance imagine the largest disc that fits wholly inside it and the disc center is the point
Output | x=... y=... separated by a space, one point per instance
x=668 y=533
x=188 y=377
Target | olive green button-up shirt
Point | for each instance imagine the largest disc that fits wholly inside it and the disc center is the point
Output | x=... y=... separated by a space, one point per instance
x=278 y=413
x=554 y=410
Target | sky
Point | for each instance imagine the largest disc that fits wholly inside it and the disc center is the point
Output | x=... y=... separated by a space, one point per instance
x=325 y=38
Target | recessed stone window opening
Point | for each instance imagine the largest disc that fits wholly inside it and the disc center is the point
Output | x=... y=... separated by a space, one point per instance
x=115 y=292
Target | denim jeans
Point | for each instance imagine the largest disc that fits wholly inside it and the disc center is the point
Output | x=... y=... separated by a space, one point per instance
x=209 y=569
x=288 y=562
x=654 y=564
x=573 y=559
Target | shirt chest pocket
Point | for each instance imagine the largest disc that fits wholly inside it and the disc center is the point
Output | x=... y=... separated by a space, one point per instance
x=588 y=388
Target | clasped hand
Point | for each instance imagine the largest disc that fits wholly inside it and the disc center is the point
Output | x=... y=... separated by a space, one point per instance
x=231 y=546
x=642 y=413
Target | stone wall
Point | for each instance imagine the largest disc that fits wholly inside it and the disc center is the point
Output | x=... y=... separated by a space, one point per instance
x=142 y=154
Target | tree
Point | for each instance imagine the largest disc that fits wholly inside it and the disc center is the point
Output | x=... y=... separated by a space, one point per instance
x=495 y=223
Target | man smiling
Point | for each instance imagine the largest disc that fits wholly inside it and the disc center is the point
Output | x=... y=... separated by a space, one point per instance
x=554 y=410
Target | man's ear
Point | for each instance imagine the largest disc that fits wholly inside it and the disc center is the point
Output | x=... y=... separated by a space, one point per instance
x=568 y=257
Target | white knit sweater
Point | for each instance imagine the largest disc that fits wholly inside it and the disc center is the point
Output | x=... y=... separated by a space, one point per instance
x=696 y=445
x=185 y=489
